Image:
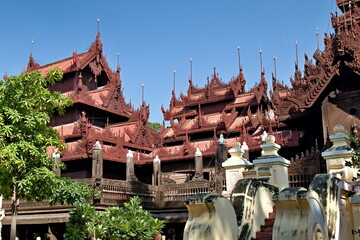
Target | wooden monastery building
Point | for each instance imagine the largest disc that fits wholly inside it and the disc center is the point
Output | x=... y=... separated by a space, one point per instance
x=300 y=116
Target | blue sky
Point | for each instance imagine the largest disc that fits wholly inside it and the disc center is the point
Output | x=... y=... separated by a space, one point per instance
x=155 y=37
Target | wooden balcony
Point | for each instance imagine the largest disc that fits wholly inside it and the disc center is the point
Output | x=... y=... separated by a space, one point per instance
x=116 y=192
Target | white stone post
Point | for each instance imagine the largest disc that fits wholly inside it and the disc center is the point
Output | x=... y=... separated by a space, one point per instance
x=157 y=170
x=271 y=165
x=199 y=171
x=234 y=167
x=56 y=159
x=245 y=147
x=339 y=154
x=130 y=169
x=97 y=161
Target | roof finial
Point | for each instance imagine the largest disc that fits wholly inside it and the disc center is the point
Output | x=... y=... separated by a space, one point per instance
x=142 y=94
x=98 y=26
x=261 y=67
x=191 y=69
x=32 y=47
x=297 y=55
x=275 y=66
x=239 y=60
x=118 y=60
x=317 y=38
x=174 y=81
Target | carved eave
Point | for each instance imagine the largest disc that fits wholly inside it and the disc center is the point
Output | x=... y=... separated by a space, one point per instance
x=92 y=58
x=214 y=90
x=260 y=90
x=115 y=100
x=238 y=84
x=228 y=119
x=174 y=102
x=142 y=136
x=188 y=148
x=307 y=89
x=85 y=98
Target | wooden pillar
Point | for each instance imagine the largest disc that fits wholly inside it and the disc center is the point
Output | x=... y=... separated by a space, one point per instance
x=221 y=156
x=97 y=161
x=157 y=171
x=130 y=170
x=199 y=171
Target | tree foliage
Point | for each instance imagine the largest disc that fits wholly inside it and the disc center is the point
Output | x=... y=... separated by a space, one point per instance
x=26 y=106
x=156 y=126
x=129 y=222
x=355 y=144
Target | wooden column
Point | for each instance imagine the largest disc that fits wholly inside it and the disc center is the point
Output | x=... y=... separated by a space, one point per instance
x=97 y=161
x=130 y=169
x=199 y=168
x=157 y=171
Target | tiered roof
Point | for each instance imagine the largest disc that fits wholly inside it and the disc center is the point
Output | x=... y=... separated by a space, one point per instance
x=130 y=133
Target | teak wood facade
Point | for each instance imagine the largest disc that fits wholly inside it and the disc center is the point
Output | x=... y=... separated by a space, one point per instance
x=326 y=93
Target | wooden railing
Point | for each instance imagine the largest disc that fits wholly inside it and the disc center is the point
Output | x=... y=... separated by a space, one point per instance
x=123 y=190
x=115 y=192
x=181 y=192
x=300 y=180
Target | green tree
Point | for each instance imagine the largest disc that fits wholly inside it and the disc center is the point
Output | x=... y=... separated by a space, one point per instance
x=156 y=126
x=26 y=106
x=129 y=222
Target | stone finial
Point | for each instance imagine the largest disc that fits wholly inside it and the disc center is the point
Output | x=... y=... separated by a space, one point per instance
x=338 y=129
x=97 y=146
x=236 y=153
x=198 y=153
x=130 y=154
x=244 y=146
x=263 y=136
x=339 y=154
x=221 y=139
x=269 y=139
x=156 y=159
x=270 y=147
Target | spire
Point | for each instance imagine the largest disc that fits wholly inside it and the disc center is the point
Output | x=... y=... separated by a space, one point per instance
x=261 y=67
x=31 y=64
x=174 y=81
x=118 y=62
x=98 y=26
x=297 y=55
x=239 y=60
x=142 y=94
x=191 y=69
x=32 y=47
x=317 y=38
x=275 y=67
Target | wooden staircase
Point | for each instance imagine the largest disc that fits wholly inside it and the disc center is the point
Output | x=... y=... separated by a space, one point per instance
x=265 y=232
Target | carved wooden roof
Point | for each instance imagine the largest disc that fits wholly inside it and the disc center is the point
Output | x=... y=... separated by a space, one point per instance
x=341 y=48
x=215 y=90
